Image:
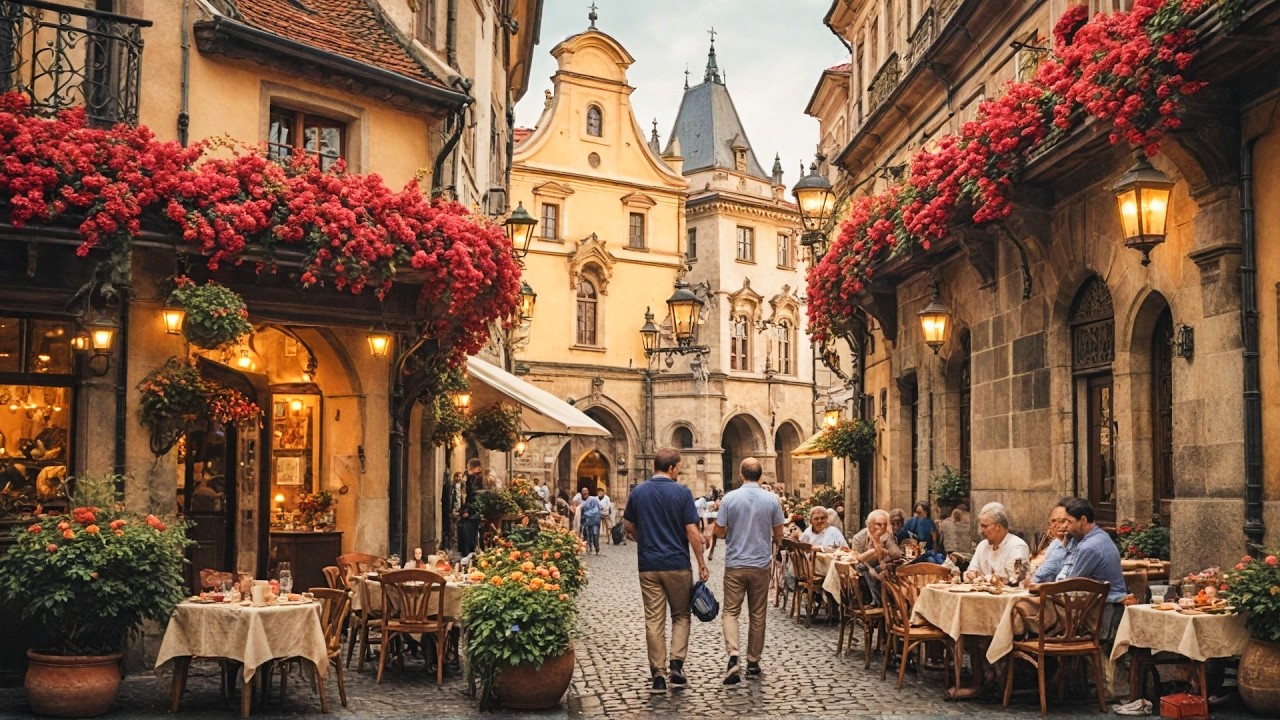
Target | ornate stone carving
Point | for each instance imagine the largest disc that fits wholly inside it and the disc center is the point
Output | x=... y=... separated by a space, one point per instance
x=591 y=252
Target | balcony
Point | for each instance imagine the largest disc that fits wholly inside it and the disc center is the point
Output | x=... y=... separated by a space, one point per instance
x=63 y=57
x=884 y=83
x=921 y=37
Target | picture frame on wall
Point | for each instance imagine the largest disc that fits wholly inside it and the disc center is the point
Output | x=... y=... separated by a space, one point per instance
x=288 y=470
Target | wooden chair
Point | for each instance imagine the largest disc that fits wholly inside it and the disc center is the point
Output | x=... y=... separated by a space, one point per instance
x=855 y=610
x=357 y=563
x=365 y=623
x=406 y=600
x=914 y=577
x=807 y=584
x=898 y=603
x=1136 y=582
x=336 y=604
x=333 y=578
x=1067 y=621
x=781 y=566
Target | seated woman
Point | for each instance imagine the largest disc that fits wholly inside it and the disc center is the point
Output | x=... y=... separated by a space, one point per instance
x=820 y=533
x=921 y=529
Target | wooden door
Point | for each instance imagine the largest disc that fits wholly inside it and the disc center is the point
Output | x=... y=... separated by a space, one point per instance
x=1101 y=444
x=1162 y=416
x=209 y=499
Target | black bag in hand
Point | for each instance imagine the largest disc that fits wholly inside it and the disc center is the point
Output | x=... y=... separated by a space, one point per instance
x=703 y=602
x=618 y=534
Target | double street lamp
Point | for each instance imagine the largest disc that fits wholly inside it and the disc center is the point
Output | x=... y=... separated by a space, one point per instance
x=684 y=308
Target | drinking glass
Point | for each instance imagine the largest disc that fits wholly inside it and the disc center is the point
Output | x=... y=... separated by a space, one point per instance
x=286 y=583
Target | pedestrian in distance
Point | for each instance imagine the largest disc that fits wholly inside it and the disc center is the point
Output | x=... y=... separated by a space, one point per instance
x=661 y=518
x=750 y=520
x=590 y=526
x=606 y=511
x=469 y=517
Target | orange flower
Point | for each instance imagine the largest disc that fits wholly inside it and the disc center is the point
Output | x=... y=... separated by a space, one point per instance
x=544 y=572
x=476 y=576
x=517 y=576
x=118 y=531
x=496 y=580
x=34 y=529
x=64 y=525
x=515 y=554
x=526 y=566
x=484 y=564
x=92 y=529
x=557 y=556
x=117 y=524
x=68 y=534
x=563 y=596
x=50 y=548
x=535 y=583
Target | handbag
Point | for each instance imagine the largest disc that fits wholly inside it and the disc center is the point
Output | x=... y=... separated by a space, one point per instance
x=703 y=602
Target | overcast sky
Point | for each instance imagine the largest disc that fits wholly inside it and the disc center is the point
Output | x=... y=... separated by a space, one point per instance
x=770 y=52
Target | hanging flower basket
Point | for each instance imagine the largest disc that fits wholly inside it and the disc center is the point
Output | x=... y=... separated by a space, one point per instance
x=174 y=395
x=216 y=317
x=850 y=439
x=496 y=427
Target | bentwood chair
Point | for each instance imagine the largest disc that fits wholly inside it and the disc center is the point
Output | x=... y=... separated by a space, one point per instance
x=1065 y=623
x=366 y=623
x=898 y=603
x=808 y=586
x=407 y=596
x=336 y=603
x=914 y=577
x=854 y=611
x=357 y=563
x=333 y=578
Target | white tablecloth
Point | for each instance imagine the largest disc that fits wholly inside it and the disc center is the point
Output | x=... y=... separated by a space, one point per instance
x=1197 y=637
x=373 y=591
x=250 y=634
x=971 y=613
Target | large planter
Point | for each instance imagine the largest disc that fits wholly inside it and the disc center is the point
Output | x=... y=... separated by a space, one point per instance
x=1259 y=679
x=521 y=687
x=72 y=685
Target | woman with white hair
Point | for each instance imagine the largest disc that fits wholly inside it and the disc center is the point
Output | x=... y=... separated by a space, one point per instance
x=875 y=546
x=1000 y=551
x=820 y=534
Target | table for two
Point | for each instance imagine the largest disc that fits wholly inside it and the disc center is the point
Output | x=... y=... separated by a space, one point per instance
x=253 y=635
x=1197 y=637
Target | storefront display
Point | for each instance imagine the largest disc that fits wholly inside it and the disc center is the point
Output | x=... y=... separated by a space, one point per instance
x=36 y=407
x=295 y=411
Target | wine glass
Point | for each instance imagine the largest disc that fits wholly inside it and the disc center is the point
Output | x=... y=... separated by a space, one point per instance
x=394 y=561
x=285 y=576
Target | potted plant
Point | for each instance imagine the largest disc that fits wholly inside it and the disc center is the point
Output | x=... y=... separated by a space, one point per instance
x=87 y=579
x=849 y=439
x=519 y=616
x=1253 y=588
x=315 y=508
x=216 y=316
x=496 y=427
x=949 y=488
x=1136 y=541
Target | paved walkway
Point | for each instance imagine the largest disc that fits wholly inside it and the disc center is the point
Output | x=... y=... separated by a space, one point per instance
x=802 y=677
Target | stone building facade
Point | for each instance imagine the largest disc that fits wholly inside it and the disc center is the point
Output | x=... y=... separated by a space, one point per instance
x=1067 y=370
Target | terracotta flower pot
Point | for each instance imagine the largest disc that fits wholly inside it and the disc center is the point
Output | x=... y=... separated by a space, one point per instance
x=72 y=685
x=521 y=687
x=1259 y=679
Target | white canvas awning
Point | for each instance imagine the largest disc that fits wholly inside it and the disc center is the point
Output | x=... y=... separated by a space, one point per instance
x=543 y=412
x=807 y=449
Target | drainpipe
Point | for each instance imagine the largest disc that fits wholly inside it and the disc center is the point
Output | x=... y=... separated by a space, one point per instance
x=184 y=117
x=1254 y=528
x=459 y=116
x=451 y=35
x=122 y=378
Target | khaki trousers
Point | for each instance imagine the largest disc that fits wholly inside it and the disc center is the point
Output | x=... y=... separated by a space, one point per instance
x=661 y=590
x=753 y=583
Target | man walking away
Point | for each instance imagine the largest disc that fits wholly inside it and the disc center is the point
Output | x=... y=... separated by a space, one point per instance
x=469 y=524
x=606 y=511
x=750 y=521
x=590 y=521
x=661 y=518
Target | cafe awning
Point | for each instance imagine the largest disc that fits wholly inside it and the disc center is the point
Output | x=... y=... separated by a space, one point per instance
x=808 y=449
x=543 y=412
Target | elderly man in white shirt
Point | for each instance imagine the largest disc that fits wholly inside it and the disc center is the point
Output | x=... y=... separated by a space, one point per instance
x=820 y=534
x=1000 y=551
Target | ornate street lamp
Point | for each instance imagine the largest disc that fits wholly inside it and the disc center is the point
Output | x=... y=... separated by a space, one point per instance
x=817 y=202
x=519 y=227
x=935 y=321
x=831 y=416
x=173 y=317
x=649 y=333
x=380 y=341
x=80 y=342
x=461 y=399
x=528 y=298
x=684 y=307
x=1142 y=195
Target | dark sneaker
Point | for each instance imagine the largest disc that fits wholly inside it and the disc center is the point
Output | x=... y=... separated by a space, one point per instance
x=659 y=686
x=753 y=669
x=731 y=674
x=676 y=677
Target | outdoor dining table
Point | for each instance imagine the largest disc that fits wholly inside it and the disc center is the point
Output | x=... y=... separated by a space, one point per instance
x=1198 y=637
x=367 y=587
x=828 y=566
x=248 y=633
x=960 y=610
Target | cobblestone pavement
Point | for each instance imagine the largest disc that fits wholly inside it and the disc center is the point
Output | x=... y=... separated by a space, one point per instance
x=802 y=676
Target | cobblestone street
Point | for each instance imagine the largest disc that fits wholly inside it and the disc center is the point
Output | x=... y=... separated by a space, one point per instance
x=802 y=676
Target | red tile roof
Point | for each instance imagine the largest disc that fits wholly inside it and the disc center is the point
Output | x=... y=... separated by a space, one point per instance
x=349 y=28
x=842 y=68
x=521 y=133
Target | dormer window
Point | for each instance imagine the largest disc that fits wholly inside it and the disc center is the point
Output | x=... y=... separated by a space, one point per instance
x=595 y=121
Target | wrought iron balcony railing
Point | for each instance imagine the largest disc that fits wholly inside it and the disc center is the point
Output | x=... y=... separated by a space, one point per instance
x=921 y=37
x=63 y=57
x=884 y=83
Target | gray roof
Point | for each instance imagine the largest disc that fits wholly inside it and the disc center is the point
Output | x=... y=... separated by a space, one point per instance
x=709 y=128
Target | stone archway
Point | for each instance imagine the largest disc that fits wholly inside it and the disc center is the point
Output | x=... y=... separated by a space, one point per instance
x=592 y=471
x=741 y=438
x=1148 y=484
x=786 y=439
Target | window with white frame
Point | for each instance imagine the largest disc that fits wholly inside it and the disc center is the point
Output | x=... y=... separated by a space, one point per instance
x=587 y=312
x=786 y=341
x=550 y=221
x=635 y=231
x=746 y=244
x=740 y=343
x=786 y=257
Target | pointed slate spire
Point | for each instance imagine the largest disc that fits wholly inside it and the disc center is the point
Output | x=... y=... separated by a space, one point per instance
x=654 y=143
x=712 y=73
x=777 y=169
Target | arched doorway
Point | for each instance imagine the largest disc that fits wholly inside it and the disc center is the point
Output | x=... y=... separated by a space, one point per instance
x=786 y=439
x=1092 y=324
x=738 y=441
x=1162 y=415
x=592 y=472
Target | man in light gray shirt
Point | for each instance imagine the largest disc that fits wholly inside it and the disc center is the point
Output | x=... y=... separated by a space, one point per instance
x=750 y=520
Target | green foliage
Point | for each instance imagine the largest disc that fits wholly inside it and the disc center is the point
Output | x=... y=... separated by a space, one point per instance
x=449 y=420
x=90 y=577
x=172 y=392
x=1254 y=589
x=522 y=608
x=495 y=503
x=1136 y=541
x=826 y=497
x=1231 y=14
x=950 y=485
x=496 y=427
x=216 y=316
x=850 y=439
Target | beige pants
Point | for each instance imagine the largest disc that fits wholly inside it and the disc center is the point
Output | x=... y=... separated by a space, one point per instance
x=661 y=590
x=753 y=583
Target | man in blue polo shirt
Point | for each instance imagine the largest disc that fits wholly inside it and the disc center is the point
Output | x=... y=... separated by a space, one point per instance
x=661 y=518
x=751 y=521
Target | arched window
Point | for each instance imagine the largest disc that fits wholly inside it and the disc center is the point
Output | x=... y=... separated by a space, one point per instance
x=594 y=121
x=740 y=343
x=586 y=312
x=786 y=364
x=682 y=438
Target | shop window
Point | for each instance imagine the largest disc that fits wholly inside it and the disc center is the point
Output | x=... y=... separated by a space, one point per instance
x=37 y=378
x=292 y=132
x=294 y=455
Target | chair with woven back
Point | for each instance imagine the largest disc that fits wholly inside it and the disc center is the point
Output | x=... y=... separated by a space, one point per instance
x=1064 y=621
x=407 y=599
x=899 y=593
x=807 y=584
x=855 y=610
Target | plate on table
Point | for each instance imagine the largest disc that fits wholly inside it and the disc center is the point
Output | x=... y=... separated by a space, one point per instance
x=1165 y=606
x=960 y=588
